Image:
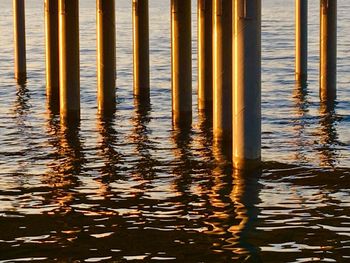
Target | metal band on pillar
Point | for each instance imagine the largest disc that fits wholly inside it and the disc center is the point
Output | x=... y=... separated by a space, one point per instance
x=106 y=56
x=247 y=84
x=69 y=60
x=181 y=56
x=20 y=41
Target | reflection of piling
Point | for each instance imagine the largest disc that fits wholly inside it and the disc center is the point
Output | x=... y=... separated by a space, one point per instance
x=52 y=59
x=247 y=84
x=71 y=150
x=181 y=62
x=106 y=55
x=141 y=48
x=328 y=47
x=328 y=134
x=108 y=140
x=205 y=55
x=69 y=59
x=222 y=92
x=245 y=199
x=301 y=12
x=20 y=41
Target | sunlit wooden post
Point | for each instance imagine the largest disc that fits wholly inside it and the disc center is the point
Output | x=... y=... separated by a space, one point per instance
x=222 y=85
x=106 y=56
x=20 y=41
x=205 y=55
x=247 y=84
x=328 y=47
x=181 y=56
x=141 y=49
x=69 y=60
x=52 y=59
x=301 y=50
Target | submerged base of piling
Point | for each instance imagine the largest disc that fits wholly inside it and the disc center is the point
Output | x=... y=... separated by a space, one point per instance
x=21 y=77
x=246 y=164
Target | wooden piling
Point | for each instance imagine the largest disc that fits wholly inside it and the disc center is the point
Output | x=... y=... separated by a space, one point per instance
x=222 y=79
x=141 y=49
x=52 y=53
x=69 y=60
x=247 y=84
x=328 y=48
x=205 y=55
x=20 y=41
x=301 y=41
x=181 y=56
x=106 y=56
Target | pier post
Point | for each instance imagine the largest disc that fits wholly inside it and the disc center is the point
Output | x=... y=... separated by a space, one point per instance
x=106 y=56
x=52 y=59
x=69 y=60
x=141 y=49
x=20 y=41
x=205 y=55
x=301 y=40
x=222 y=79
x=247 y=84
x=328 y=47
x=181 y=56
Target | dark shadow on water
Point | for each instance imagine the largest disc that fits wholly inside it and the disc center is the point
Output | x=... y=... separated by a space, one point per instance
x=182 y=137
x=22 y=127
x=145 y=165
x=22 y=107
x=22 y=103
x=53 y=104
x=245 y=197
x=328 y=134
x=108 y=147
x=205 y=148
x=71 y=148
x=184 y=165
x=300 y=96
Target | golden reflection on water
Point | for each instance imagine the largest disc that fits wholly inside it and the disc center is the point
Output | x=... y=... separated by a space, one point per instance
x=220 y=150
x=109 y=170
x=219 y=201
x=66 y=163
x=233 y=198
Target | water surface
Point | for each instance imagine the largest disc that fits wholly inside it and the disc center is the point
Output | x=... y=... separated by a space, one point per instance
x=130 y=188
